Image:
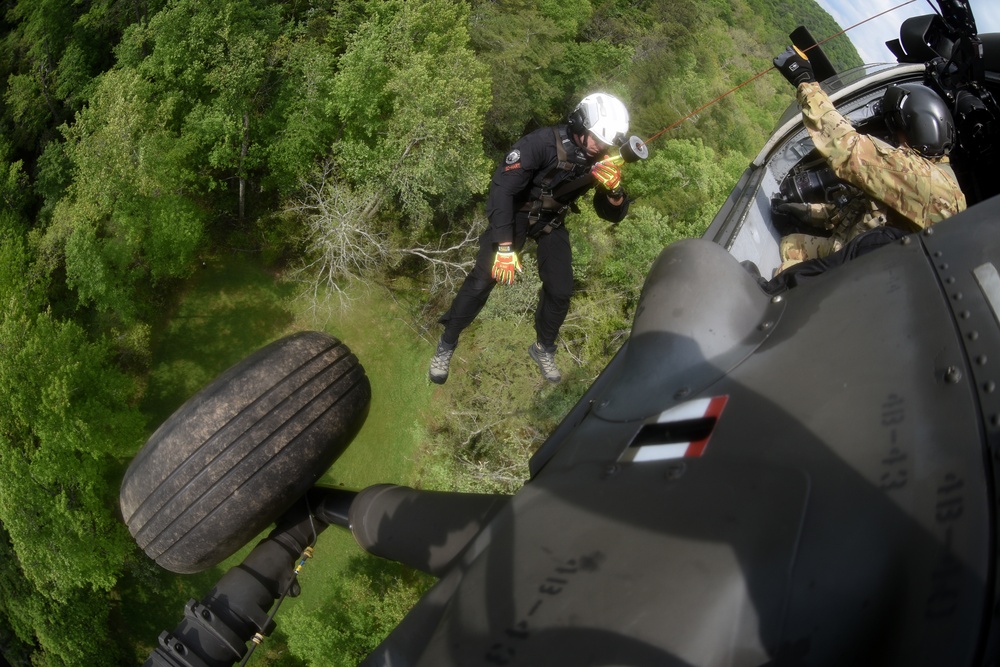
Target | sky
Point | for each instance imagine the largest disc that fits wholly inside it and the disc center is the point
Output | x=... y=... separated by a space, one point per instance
x=869 y=39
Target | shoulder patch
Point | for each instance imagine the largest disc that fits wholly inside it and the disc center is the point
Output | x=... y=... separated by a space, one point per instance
x=513 y=156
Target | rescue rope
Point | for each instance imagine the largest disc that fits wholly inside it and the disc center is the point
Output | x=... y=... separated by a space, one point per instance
x=757 y=76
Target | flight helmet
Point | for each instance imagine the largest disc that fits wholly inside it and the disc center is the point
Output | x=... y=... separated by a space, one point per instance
x=918 y=116
x=602 y=115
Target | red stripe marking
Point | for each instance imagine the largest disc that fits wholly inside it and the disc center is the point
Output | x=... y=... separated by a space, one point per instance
x=715 y=407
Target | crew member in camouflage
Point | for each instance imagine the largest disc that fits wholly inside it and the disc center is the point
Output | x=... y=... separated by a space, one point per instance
x=911 y=186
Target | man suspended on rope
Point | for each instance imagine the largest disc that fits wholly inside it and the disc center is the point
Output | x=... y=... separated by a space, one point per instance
x=533 y=188
x=910 y=186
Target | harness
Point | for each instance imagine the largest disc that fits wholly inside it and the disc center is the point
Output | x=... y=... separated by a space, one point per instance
x=546 y=210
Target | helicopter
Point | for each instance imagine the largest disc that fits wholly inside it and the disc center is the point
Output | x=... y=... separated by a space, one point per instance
x=800 y=479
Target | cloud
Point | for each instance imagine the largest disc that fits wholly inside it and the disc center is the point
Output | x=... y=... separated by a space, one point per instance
x=870 y=38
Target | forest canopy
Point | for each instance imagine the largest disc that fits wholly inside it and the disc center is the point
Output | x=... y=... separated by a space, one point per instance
x=338 y=141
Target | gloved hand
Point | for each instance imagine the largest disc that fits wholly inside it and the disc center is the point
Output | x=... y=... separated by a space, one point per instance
x=810 y=214
x=609 y=175
x=794 y=65
x=504 y=265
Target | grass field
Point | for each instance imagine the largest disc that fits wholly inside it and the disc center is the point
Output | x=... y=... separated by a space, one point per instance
x=395 y=359
x=229 y=309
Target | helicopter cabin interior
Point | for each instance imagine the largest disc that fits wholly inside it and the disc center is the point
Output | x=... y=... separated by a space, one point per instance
x=747 y=225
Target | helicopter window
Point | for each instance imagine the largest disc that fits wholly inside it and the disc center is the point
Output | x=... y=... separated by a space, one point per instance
x=808 y=196
x=809 y=181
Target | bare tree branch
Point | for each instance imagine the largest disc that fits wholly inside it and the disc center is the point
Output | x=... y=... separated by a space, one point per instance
x=449 y=261
x=345 y=241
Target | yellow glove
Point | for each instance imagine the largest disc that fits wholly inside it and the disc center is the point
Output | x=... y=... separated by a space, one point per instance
x=504 y=265
x=608 y=174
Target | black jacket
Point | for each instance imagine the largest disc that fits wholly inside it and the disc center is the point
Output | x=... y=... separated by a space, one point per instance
x=519 y=177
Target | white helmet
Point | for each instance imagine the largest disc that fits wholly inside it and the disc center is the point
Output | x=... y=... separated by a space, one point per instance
x=603 y=115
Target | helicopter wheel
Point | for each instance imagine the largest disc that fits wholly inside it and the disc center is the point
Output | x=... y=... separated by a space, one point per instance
x=241 y=451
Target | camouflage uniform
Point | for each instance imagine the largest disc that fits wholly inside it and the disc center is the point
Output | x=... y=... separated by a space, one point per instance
x=904 y=188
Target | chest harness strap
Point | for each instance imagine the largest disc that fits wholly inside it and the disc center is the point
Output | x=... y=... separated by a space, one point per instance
x=546 y=200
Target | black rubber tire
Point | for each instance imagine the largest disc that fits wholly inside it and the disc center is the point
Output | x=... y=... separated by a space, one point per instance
x=241 y=451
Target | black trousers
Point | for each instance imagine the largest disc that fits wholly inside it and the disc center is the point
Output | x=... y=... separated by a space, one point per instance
x=555 y=268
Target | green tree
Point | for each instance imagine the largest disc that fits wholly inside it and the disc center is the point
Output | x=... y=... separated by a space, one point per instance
x=127 y=217
x=370 y=599
x=303 y=120
x=685 y=180
x=213 y=64
x=539 y=66
x=65 y=422
x=36 y=44
x=13 y=186
x=411 y=98
x=51 y=53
